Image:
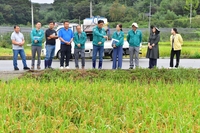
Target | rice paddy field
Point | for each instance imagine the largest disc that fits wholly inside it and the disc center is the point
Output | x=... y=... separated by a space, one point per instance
x=102 y=101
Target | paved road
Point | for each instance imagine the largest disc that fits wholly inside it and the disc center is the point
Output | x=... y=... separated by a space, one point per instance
x=6 y=65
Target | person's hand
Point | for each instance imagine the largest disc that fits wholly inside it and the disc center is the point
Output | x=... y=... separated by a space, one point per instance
x=153 y=45
x=99 y=43
x=36 y=41
x=79 y=45
x=20 y=44
x=150 y=47
x=67 y=43
x=114 y=46
x=56 y=37
x=106 y=37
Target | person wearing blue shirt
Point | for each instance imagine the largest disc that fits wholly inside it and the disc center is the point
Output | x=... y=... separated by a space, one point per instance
x=37 y=35
x=66 y=37
x=99 y=36
x=118 y=47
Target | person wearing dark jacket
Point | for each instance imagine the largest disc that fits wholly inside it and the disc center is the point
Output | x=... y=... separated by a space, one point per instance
x=153 y=48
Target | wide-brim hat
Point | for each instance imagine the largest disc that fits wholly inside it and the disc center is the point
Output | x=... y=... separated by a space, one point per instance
x=158 y=30
x=135 y=24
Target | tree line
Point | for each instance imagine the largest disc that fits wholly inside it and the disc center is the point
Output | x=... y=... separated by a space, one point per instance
x=164 y=13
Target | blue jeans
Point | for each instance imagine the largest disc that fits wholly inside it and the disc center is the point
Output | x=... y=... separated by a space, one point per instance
x=50 y=52
x=100 y=50
x=117 y=53
x=22 y=55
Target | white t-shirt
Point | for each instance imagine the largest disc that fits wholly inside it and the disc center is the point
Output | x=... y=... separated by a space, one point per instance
x=18 y=37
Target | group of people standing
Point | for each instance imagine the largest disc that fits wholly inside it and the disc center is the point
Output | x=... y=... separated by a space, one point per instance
x=66 y=36
x=176 y=41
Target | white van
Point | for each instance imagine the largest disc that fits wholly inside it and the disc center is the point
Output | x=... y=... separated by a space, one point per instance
x=88 y=45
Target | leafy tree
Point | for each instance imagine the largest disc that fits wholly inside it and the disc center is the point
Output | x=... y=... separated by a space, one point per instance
x=117 y=11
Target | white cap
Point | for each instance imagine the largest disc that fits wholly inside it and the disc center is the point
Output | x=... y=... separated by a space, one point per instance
x=135 y=24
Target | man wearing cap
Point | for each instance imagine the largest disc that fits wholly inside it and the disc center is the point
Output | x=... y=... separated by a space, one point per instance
x=134 y=39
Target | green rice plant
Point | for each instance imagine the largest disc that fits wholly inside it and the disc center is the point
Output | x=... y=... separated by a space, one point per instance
x=141 y=100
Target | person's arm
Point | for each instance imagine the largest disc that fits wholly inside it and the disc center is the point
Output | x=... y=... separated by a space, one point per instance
x=128 y=37
x=84 y=38
x=75 y=39
x=23 y=41
x=47 y=33
x=41 y=37
x=96 y=32
x=32 y=37
x=157 y=40
x=140 y=36
x=181 y=39
x=72 y=37
x=121 y=39
x=51 y=36
x=62 y=40
x=104 y=34
x=149 y=40
x=60 y=37
x=17 y=43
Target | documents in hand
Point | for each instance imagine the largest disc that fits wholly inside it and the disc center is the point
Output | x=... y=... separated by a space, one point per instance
x=36 y=37
x=114 y=41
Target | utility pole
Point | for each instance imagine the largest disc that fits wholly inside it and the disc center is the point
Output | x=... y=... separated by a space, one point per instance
x=150 y=16
x=32 y=18
x=190 y=15
x=90 y=8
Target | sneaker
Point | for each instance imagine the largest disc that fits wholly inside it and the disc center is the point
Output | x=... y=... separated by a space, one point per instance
x=83 y=67
x=50 y=67
x=38 y=67
x=61 y=67
x=26 y=68
x=67 y=67
x=16 y=69
x=32 y=67
x=131 y=68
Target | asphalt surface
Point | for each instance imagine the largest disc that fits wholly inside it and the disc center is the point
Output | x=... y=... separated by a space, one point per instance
x=7 y=65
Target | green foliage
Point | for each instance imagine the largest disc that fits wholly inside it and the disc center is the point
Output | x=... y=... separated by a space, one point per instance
x=165 y=13
x=106 y=101
x=5 y=41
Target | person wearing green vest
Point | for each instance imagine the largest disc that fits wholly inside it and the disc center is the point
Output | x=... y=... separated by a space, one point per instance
x=37 y=35
x=118 y=36
x=79 y=47
x=99 y=36
x=134 y=39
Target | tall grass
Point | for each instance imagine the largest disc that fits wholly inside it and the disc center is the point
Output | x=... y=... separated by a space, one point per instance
x=102 y=101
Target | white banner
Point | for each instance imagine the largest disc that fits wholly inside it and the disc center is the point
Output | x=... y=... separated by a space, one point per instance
x=42 y=1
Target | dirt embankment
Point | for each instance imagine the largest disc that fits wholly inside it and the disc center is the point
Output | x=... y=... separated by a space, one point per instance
x=8 y=75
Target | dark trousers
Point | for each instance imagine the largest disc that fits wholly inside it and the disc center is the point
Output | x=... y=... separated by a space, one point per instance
x=152 y=63
x=65 y=52
x=177 y=53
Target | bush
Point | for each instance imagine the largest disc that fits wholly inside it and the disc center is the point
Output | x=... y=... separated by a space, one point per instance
x=5 y=40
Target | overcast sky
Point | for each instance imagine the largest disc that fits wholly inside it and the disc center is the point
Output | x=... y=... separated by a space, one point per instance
x=42 y=1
